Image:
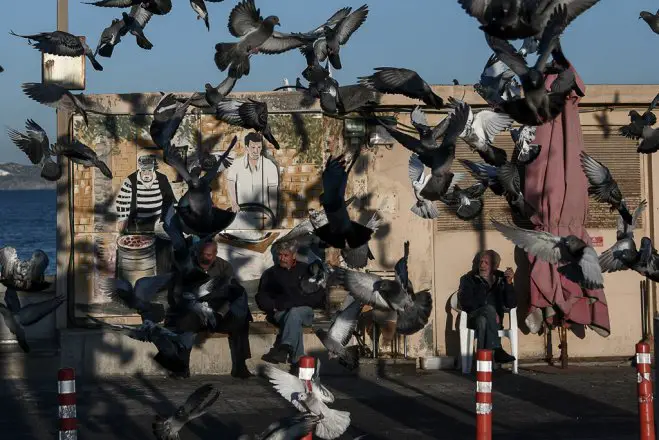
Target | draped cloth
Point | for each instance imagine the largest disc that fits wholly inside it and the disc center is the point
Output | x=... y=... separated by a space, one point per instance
x=557 y=188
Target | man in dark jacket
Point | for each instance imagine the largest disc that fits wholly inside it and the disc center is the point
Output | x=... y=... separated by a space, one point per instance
x=231 y=307
x=485 y=294
x=286 y=305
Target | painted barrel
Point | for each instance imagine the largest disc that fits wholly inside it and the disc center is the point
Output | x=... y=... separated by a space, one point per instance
x=136 y=257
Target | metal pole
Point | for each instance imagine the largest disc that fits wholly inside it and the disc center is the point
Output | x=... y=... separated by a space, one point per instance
x=307 y=366
x=645 y=399
x=66 y=398
x=655 y=322
x=484 y=394
x=63 y=211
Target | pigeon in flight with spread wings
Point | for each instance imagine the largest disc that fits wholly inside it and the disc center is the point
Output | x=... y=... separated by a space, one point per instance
x=333 y=423
x=35 y=144
x=257 y=35
x=248 y=114
x=57 y=97
x=173 y=348
x=603 y=187
x=211 y=96
x=517 y=19
x=537 y=106
x=340 y=333
x=292 y=427
x=497 y=83
x=401 y=81
x=480 y=131
x=525 y=150
x=167 y=118
x=135 y=21
x=634 y=130
x=18 y=317
x=466 y=203
x=623 y=254
x=196 y=405
x=329 y=42
x=61 y=43
x=581 y=263
x=26 y=275
x=424 y=208
x=139 y=298
x=156 y=7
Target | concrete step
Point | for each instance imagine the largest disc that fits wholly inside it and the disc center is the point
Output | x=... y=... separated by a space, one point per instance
x=42 y=362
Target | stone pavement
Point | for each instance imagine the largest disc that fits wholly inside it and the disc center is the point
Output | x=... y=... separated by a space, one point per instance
x=540 y=403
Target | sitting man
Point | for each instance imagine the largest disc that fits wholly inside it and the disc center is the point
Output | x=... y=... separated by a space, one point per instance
x=484 y=295
x=286 y=305
x=229 y=301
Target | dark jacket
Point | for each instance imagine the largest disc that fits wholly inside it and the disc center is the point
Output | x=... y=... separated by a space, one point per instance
x=280 y=289
x=476 y=293
x=165 y=191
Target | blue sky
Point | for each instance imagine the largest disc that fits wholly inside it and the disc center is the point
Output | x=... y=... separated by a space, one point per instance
x=437 y=38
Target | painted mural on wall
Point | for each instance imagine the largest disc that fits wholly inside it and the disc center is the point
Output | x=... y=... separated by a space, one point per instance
x=118 y=223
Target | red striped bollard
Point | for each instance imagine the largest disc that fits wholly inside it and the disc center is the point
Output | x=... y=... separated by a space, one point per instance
x=307 y=366
x=484 y=395
x=645 y=399
x=66 y=398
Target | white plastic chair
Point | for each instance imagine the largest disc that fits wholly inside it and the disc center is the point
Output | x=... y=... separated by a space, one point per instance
x=467 y=336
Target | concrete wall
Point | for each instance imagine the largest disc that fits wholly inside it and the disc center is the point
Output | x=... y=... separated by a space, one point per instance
x=439 y=258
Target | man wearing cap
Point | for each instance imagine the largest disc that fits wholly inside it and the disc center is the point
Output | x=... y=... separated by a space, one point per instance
x=144 y=198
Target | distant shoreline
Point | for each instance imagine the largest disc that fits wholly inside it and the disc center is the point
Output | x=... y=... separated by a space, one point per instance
x=28 y=189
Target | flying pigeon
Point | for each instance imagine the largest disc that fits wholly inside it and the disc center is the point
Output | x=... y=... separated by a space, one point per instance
x=340 y=333
x=357 y=258
x=328 y=46
x=173 y=349
x=199 y=6
x=211 y=96
x=466 y=203
x=526 y=151
x=581 y=263
x=57 y=97
x=401 y=81
x=648 y=262
x=503 y=181
x=195 y=406
x=256 y=35
x=427 y=135
x=195 y=208
x=139 y=298
x=333 y=423
x=537 y=106
x=110 y=37
x=439 y=158
x=649 y=141
x=634 y=130
x=623 y=254
x=339 y=232
x=603 y=187
x=651 y=19
x=497 y=83
x=292 y=427
x=480 y=131
x=26 y=275
x=516 y=19
x=167 y=118
x=249 y=114
x=63 y=44
x=36 y=145
x=156 y=7
x=18 y=317
x=135 y=21
x=423 y=207
x=413 y=311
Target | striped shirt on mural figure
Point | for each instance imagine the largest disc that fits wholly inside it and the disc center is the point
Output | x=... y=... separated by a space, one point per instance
x=144 y=197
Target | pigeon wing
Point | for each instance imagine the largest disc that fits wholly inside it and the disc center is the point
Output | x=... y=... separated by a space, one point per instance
x=418 y=118
x=11 y=301
x=540 y=244
x=8 y=258
x=197 y=403
x=415 y=168
x=361 y=286
x=488 y=124
x=51 y=95
x=244 y=18
x=476 y=8
x=228 y=111
x=590 y=271
x=280 y=42
x=350 y=24
x=35 y=312
x=508 y=55
x=287 y=385
x=34 y=143
x=345 y=323
x=38 y=264
x=147 y=287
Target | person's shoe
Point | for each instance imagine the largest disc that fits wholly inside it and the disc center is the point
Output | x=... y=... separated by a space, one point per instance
x=501 y=357
x=241 y=372
x=277 y=355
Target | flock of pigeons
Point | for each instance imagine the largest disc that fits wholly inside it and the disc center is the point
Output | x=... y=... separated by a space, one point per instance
x=515 y=92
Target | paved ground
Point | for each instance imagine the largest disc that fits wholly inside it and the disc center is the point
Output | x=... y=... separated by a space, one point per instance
x=543 y=403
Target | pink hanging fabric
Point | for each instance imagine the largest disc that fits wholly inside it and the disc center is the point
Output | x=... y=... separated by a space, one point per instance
x=556 y=186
